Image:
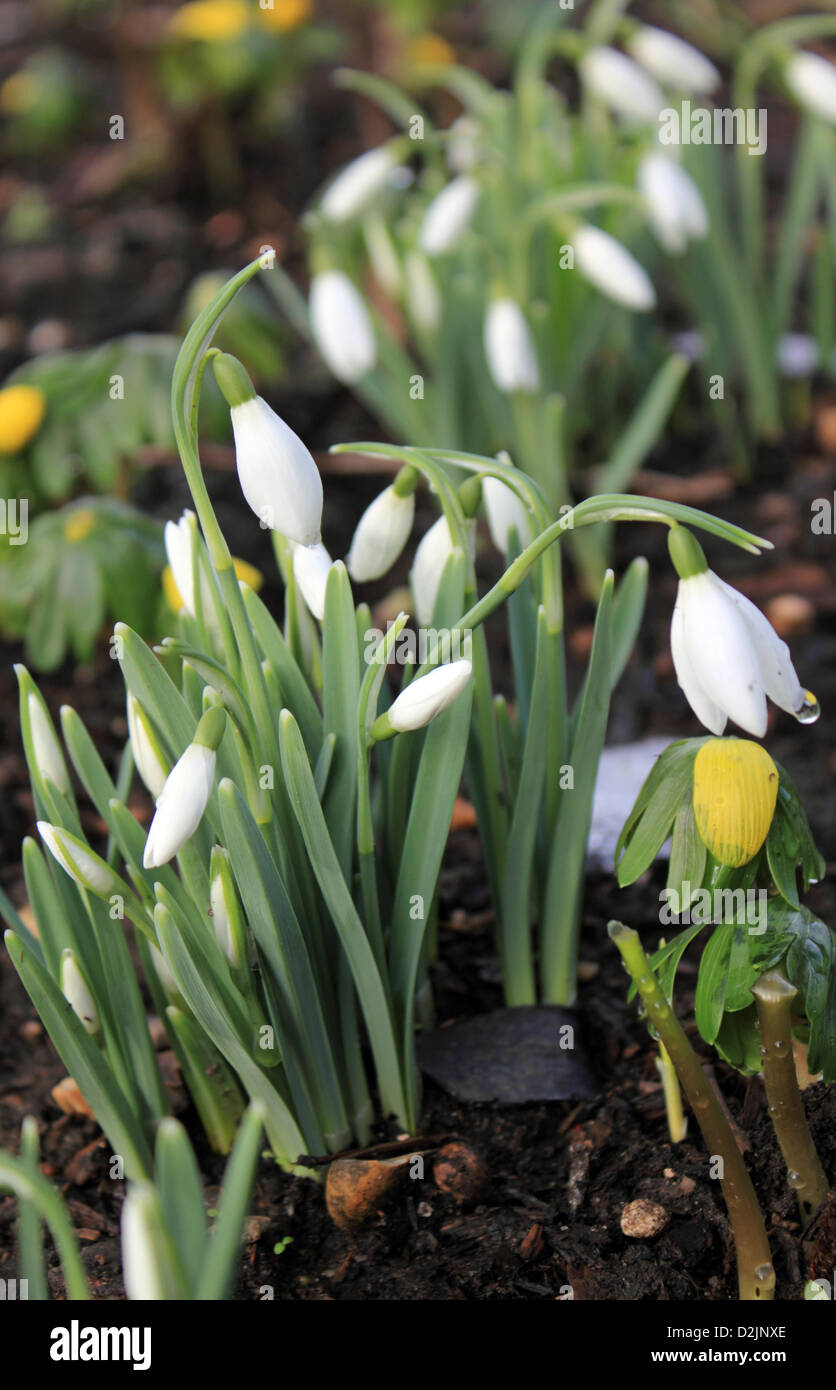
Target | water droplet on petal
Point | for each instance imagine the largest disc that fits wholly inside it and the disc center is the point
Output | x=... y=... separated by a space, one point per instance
x=810 y=710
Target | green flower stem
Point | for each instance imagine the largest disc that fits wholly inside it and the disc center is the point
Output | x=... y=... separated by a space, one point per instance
x=756 y=1277
x=774 y=996
x=677 y=1124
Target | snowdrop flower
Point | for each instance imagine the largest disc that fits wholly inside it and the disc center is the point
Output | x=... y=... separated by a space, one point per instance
x=226 y=915
x=797 y=355
x=141 y=1271
x=185 y=796
x=423 y=297
x=181 y=546
x=423 y=699
x=358 y=184
x=75 y=991
x=677 y=211
x=383 y=256
x=87 y=869
x=428 y=566
x=341 y=326
x=505 y=512
x=812 y=81
x=621 y=85
x=672 y=61
x=311 y=565
x=278 y=476
x=448 y=216
x=462 y=144
x=145 y=748
x=49 y=759
x=727 y=656
x=611 y=269
x=382 y=532
x=509 y=347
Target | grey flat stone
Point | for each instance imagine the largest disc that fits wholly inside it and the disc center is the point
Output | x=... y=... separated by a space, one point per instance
x=509 y=1055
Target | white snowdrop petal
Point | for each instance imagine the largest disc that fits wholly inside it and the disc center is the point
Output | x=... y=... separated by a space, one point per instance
x=311 y=565
x=777 y=672
x=708 y=713
x=358 y=184
x=277 y=473
x=621 y=84
x=47 y=750
x=509 y=347
x=429 y=696
x=812 y=81
x=381 y=534
x=610 y=268
x=675 y=205
x=181 y=805
x=672 y=61
x=505 y=512
x=341 y=326
x=721 y=652
x=448 y=215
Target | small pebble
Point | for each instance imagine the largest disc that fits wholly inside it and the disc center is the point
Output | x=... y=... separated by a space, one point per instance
x=687 y=1186
x=642 y=1219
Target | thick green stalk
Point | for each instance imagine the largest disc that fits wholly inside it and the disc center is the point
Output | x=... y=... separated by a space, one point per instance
x=774 y=995
x=756 y=1277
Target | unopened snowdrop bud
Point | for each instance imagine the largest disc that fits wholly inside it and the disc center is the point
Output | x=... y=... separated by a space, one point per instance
x=462 y=144
x=812 y=81
x=509 y=347
x=611 y=269
x=227 y=920
x=677 y=211
x=383 y=529
x=423 y=700
x=427 y=568
x=277 y=473
x=448 y=216
x=423 y=297
x=621 y=85
x=46 y=750
x=164 y=973
x=181 y=548
x=185 y=796
x=141 y=1271
x=147 y=754
x=311 y=566
x=358 y=185
x=88 y=870
x=505 y=512
x=727 y=656
x=341 y=326
x=78 y=996
x=672 y=61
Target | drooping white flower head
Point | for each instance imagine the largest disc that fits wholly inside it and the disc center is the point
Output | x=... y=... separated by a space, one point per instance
x=621 y=85
x=427 y=567
x=462 y=144
x=611 y=269
x=423 y=297
x=358 y=185
x=505 y=512
x=672 y=61
x=185 y=796
x=727 y=656
x=812 y=81
x=141 y=1272
x=146 y=752
x=77 y=994
x=341 y=326
x=381 y=534
x=47 y=750
x=428 y=696
x=797 y=355
x=678 y=214
x=509 y=347
x=448 y=216
x=311 y=566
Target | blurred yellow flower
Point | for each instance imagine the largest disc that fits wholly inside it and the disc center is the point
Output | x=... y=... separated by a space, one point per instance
x=243 y=570
x=22 y=409
x=284 y=15
x=431 y=49
x=735 y=791
x=18 y=93
x=79 y=524
x=210 y=21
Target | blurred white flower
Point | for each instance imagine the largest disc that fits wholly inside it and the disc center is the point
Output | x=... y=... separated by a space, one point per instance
x=462 y=144
x=428 y=696
x=797 y=355
x=423 y=297
x=141 y=1272
x=678 y=214
x=621 y=85
x=357 y=185
x=277 y=473
x=812 y=81
x=509 y=347
x=505 y=512
x=311 y=565
x=341 y=326
x=448 y=215
x=672 y=61
x=381 y=534
x=610 y=268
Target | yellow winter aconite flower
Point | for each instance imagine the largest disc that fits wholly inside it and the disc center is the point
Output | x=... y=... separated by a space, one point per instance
x=735 y=791
x=210 y=21
x=22 y=409
x=243 y=570
x=284 y=15
x=431 y=49
x=18 y=93
x=79 y=524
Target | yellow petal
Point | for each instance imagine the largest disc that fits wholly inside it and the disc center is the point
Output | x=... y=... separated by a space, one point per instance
x=173 y=596
x=735 y=791
x=22 y=409
x=79 y=524
x=210 y=21
x=284 y=15
x=250 y=575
